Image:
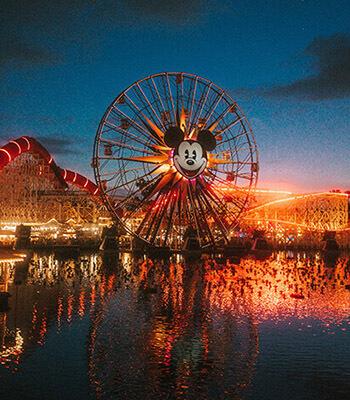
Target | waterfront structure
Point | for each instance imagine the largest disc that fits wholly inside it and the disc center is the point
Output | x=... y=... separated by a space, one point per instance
x=327 y=211
x=301 y=218
x=38 y=193
x=63 y=205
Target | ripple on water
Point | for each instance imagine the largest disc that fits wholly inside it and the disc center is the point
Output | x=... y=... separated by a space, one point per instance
x=273 y=328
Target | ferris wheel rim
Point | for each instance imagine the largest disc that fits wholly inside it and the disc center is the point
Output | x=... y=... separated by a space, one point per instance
x=96 y=149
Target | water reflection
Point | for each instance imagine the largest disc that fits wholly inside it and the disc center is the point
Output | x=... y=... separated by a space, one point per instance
x=281 y=287
x=166 y=330
x=157 y=338
x=44 y=292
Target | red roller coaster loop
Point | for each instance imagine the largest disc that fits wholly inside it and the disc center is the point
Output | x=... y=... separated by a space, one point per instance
x=26 y=143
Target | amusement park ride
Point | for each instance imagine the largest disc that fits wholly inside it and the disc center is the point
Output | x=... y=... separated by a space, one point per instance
x=167 y=150
x=174 y=158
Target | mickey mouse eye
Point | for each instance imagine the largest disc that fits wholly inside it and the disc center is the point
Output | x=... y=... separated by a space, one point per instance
x=194 y=154
x=187 y=154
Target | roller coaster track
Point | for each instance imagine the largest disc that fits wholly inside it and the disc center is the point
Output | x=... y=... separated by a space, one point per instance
x=28 y=144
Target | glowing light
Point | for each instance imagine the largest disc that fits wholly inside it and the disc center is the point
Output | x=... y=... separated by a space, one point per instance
x=8 y=154
x=13 y=350
x=81 y=309
x=59 y=312
x=278 y=289
x=65 y=174
x=12 y=260
x=95 y=192
x=268 y=191
x=52 y=220
x=70 y=308
x=19 y=147
x=86 y=183
x=50 y=161
x=75 y=177
x=27 y=142
x=298 y=197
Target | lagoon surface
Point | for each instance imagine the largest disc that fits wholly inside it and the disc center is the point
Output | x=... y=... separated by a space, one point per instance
x=86 y=325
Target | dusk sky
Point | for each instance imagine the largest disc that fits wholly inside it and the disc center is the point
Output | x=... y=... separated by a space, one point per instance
x=286 y=63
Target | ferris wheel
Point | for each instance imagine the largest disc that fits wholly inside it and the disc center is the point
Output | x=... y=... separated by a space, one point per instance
x=174 y=152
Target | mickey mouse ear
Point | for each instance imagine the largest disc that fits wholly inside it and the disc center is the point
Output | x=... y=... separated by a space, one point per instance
x=206 y=139
x=173 y=136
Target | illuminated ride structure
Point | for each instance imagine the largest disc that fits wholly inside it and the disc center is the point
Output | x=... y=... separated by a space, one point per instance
x=35 y=190
x=304 y=216
x=165 y=151
x=326 y=211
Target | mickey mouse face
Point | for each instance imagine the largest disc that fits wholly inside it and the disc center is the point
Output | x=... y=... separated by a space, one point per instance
x=190 y=156
x=190 y=159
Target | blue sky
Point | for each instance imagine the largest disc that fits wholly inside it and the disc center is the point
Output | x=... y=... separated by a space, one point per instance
x=286 y=64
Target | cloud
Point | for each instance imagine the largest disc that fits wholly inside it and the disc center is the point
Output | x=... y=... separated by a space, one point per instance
x=14 y=48
x=52 y=120
x=28 y=27
x=330 y=63
x=10 y=93
x=55 y=145
x=179 y=11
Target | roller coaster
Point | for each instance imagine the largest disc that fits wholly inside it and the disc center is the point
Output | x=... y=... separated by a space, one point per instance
x=35 y=190
x=325 y=211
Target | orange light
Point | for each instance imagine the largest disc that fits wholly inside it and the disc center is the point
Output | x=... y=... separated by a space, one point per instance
x=19 y=147
x=8 y=154
x=298 y=197
x=81 y=303
x=27 y=142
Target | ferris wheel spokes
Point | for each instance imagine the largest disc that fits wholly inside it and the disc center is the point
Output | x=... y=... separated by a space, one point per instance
x=141 y=181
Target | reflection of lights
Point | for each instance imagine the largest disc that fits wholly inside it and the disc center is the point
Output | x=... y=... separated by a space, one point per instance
x=81 y=303
x=273 y=289
x=126 y=260
x=70 y=308
x=93 y=297
x=43 y=331
x=45 y=270
x=59 y=312
x=13 y=350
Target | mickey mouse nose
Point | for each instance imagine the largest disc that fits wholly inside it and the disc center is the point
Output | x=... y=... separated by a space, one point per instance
x=190 y=162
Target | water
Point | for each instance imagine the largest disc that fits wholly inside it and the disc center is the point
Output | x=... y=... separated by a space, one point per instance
x=83 y=326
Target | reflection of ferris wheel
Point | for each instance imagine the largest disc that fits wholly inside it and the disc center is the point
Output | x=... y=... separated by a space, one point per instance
x=174 y=151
